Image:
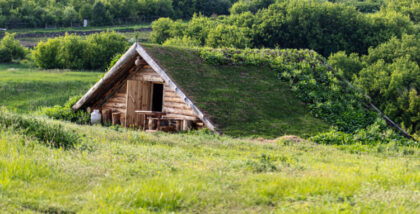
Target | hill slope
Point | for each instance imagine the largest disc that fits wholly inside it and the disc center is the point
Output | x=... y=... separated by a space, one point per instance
x=239 y=99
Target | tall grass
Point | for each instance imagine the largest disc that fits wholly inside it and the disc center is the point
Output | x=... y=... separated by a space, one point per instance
x=124 y=171
x=51 y=133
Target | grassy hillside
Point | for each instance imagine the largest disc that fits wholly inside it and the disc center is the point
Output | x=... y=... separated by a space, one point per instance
x=240 y=100
x=125 y=171
x=24 y=89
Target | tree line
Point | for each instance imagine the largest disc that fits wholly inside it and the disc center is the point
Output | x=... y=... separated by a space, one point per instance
x=38 y=13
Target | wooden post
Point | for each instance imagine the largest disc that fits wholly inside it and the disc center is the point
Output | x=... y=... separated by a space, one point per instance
x=186 y=125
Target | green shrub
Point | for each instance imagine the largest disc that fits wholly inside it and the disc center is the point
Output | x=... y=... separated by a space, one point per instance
x=50 y=133
x=161 y=30
x=375 y=134
x=75 y=52
x=229 y=36
x=103 y=47
x=10 y=49
x=66 y=113
x=182 y=42
x=47 y=54
x=348 y=65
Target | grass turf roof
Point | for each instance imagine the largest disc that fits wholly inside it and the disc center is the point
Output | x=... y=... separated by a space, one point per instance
x=239 y=100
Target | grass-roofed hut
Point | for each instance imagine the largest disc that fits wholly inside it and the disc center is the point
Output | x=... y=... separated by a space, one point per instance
x=172 y=89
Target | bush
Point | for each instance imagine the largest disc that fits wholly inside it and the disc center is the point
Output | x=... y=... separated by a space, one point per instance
x=375 y=134
x=66 y=113
x=161 y=30
x=182 y=42
x=103 y=47
x=50 y=133
x=74 y=52
x=348 y=65
x=10 y=49
x=46 y=54
x=229 y=36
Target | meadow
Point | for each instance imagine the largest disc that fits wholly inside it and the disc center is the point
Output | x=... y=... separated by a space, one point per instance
x=126 y=171
x=115 y=170
x=25 y=89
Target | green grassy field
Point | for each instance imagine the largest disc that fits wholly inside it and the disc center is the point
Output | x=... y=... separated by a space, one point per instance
x=26 y=89
x=125 y=171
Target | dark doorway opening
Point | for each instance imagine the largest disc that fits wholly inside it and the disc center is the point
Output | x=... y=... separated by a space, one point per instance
x=157 y=102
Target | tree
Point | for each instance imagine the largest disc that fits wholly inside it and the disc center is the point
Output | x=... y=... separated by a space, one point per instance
x=70 y=16
x=229 y=36
x=100 y=16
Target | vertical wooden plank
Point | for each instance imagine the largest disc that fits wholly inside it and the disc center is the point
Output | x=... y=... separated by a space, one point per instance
x=133 y=102
x=146 y=104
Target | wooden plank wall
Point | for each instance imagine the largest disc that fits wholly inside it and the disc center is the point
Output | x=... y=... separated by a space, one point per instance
x=175 y=106
x=143 y=81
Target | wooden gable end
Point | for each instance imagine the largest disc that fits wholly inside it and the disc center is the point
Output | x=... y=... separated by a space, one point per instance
x=136 y=93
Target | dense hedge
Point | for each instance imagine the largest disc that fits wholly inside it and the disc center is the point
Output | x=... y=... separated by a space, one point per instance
x=322 y=26
x=74 y=52
x=50 y=133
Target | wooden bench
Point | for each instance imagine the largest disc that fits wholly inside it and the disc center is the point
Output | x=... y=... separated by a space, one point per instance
x=152 y=117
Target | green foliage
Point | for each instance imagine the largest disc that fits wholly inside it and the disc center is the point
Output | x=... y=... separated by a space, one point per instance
x=315 y=84
x=100 y=16
x=394 y=88
x=375 y=134
x=390 y=75
x=250 y=6
x=347 y=65
x=410 y=8
x=66 y=113
x=103 y=47
x=75 y=52
x=113 y=61
x=182 y=42
x=40 y=13
x=229 y=36
x=10 y=49
x=161 y=30
x=47 y=54
x=50 y=133
x=407 y=46
x=322 y=26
